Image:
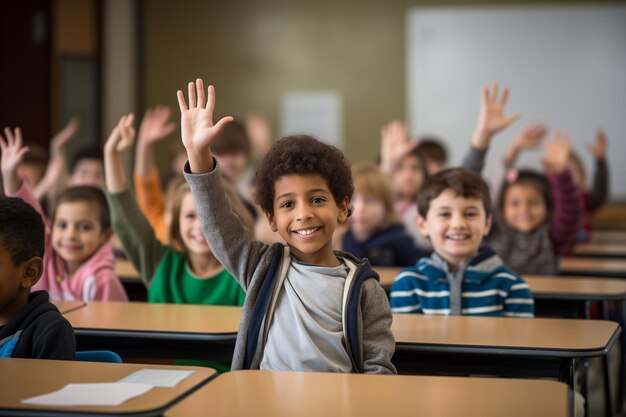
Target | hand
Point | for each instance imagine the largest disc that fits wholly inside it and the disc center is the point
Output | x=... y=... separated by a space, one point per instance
x=12 y=151
x=394 y=145
x=598 y=149
x=557 y=153
x=530 y=137
x=63 y=137
x=122 y=136
x=197 y=128
x=155 y=125
x=491 y=118
x=259 y=132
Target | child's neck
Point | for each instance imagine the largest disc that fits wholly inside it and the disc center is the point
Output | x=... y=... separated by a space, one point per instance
x=204 y=266
x=12 y=307
x=324 y=257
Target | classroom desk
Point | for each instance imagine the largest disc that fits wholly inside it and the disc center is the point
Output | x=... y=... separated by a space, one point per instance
x=536 y=347
x=608 y=236
x=282 y=394
x=601 y=267
x=25 y=378
x=131 y=281
x=600 y=250
x=65 y=306
x=157 y=330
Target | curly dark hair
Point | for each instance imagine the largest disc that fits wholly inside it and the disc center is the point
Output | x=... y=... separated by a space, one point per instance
x=463 y=183
x=22 y=231
x=302 y=155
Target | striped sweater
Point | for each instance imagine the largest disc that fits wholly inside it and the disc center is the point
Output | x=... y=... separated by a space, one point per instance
x=484 y=286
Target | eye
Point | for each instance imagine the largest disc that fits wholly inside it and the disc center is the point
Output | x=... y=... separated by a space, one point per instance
x=84 y=227
x=286 y=204
x=190 y=216
x=318 y=200
x=61 y=225
x=471 y=213
x=443 y=214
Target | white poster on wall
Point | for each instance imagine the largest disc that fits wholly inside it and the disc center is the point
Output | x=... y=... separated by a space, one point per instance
x=317 y=113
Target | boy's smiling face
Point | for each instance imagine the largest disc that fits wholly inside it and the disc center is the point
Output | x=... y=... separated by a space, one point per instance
x=456 y=226
x=305 y=216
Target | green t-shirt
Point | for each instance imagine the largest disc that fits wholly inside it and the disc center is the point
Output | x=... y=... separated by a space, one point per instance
x=173 y=282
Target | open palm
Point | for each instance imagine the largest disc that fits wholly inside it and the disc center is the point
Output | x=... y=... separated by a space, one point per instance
x=197 y=128
x=12 y=151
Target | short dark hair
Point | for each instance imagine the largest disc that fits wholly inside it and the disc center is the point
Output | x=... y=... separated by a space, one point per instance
x=529 y=177
x=93 y=152
x=432 y=148
x=22 y=231
x=302 y=155
x=463 y=183
x=233 y=139
x=87 y=194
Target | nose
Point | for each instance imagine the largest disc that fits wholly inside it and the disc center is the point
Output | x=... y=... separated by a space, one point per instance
x=304 y=212
x=458 y=221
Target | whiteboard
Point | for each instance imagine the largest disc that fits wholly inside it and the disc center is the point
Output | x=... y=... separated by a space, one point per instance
x=565 y=66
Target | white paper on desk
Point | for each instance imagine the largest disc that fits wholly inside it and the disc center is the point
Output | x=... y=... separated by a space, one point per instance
x=103 y=394
x=157 y=377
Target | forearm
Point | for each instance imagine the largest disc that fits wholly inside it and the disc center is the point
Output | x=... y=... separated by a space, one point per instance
x=600 y=191
x=115 y=177
x=474 y=160
x=144 y=158
x=54 y=172
x=567 y=209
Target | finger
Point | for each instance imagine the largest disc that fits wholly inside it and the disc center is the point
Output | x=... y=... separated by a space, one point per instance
x=200 y=91
x=18 y=136
x=512 y=118
x=493 y=95
x=191 y=91
x=505 y=96
x=182 y=105
x=484 y=96
x=129 y=120
x=210 y=102
x=9 y=135
x=219 y=126
x=3 y=144
x=20 y=154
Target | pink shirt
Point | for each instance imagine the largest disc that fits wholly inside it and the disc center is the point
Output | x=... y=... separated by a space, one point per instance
x=95 y=279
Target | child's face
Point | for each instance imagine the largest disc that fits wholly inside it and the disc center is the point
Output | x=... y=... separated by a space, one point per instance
x=305 y=216
x=232 y=165
x=524 y=208
x=408 y=177
x=190 y=230
x=456 y=226
x=88 y=172
x=369 y=214
x=77 y=232
x=433 y=166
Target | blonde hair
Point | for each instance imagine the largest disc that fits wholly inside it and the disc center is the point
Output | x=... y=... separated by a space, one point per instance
x=234 y=200
x=368 y=179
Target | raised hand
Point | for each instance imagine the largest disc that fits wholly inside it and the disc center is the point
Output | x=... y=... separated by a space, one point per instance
x=156 y=125
x=598 y=148
x=557 y=154
x=12 y=155
x=197 y=128
x=491 y=118
x=394 y=145
x=530 y=137
x=122 y=136
x=61 y=139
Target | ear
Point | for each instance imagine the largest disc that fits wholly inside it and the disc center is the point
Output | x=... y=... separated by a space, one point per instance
x=32 y=271
x=421 y=225
x=488 y=224
x=272 y=221
x=344 y=210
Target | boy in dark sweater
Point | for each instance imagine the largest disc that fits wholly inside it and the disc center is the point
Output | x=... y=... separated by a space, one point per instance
x=30 y=326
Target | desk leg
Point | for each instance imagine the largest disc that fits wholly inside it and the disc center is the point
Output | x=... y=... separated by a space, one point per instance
x=609 y=405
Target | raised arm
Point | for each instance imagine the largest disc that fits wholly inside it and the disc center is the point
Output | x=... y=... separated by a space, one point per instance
x=530 y=137
x=155 y=126
x=120 y=139
x=491 y=120
x=12 y=156
x=565 y=194
x=394 y=144
x=58 y=162
x=600 y=189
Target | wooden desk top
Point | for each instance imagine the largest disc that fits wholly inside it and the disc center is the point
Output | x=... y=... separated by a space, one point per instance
x=172 y=319
x=353 y=395
x=594 y=266
x=551 y=286
x=531 y=337
x=124 y=269
x=608 y=236
x=65 y=306
x=600 y=249
x=25 y=378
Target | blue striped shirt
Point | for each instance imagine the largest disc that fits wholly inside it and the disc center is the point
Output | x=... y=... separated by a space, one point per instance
x=488 y=288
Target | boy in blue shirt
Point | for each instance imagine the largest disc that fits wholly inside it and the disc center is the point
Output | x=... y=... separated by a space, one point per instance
x=460 y=277
x=307 y=308
x=30 y=326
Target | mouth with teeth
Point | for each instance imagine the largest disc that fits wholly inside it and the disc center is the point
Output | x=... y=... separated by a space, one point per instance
x=308 y=231
x=458 y=237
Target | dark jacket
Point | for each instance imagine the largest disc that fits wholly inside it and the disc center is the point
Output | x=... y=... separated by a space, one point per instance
x=38 y=331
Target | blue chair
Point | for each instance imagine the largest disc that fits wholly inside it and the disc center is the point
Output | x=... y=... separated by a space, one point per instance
x=98 y=356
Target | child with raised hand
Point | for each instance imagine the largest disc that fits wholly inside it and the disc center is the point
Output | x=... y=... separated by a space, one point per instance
x=30 y=326
x=307 y=308
x=375 y=232
x=460 y=277
x=155 y=126
x=78 y=262
x=405 y=167
x=191 y=275
x=538 y=214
